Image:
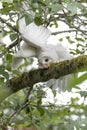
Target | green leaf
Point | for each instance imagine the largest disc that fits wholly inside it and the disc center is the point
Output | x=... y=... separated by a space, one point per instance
x=79 y=80
x=78 y=51
x=56 y=24
x=13 y=36
x=4 y=33
x=28 y=18
x=69 y=126
x=35 y=5
x=38 y=20
x=9 y=58
x=3 y=72
x=72 y=7
x=81 y=6
x=79 y=39
x=8 y=1
x=69 y=39
x=41 y=111
x=56 y=7
x=2 y=47
x=1 y=80
x=7 y=7
x=83 y=93
x=60 y=39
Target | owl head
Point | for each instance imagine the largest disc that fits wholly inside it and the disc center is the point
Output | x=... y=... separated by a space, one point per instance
x=46 y=57
x=45 y=61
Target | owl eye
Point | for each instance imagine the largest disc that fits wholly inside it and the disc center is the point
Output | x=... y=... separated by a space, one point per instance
x=46 y=60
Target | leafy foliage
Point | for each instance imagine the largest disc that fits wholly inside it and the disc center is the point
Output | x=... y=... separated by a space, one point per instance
x=15 y=111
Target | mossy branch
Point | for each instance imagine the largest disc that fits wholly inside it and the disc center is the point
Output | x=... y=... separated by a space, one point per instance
x=55 y=71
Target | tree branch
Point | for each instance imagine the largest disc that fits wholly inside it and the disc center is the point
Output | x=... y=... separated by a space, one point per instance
x=10 y=46
x=8 y=24
x=23 y=105
x=65 y=31
x=55 y=71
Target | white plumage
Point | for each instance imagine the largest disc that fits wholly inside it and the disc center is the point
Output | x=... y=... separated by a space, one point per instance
x=35 y=44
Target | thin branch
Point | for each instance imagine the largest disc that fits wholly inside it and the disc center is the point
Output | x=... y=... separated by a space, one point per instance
x=10 y=46
x=64 y=18
x=23 y=105
x=8 y=24
x=65 y=31
x=74 y=27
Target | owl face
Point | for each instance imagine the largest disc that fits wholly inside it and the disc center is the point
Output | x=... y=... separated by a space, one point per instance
x=46 y=56
x=45 y=61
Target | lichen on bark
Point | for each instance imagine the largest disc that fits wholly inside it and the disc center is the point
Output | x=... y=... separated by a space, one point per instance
x=55 y=71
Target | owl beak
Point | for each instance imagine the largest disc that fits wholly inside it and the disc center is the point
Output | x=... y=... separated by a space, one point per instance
x=46 y=65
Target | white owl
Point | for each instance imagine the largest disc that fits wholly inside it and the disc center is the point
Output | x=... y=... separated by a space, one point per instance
x=35 y=45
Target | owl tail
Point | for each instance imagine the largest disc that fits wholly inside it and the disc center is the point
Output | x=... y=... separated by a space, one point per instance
x=61 y=84
x=64 y=82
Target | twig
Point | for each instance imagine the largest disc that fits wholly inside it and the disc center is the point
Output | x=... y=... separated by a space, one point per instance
x=65 y=31
x=74 y=27
x=23 y=105
x=10 y=46
x=8 y=24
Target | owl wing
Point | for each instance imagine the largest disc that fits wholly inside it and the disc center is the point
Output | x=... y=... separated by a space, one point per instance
x=24 y=52
x=35 y=36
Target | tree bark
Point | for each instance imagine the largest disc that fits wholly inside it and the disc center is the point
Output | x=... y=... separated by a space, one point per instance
x=56 y=70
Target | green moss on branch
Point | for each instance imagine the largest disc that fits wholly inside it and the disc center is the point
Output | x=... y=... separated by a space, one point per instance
x=41 y=75
x=56 y=70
